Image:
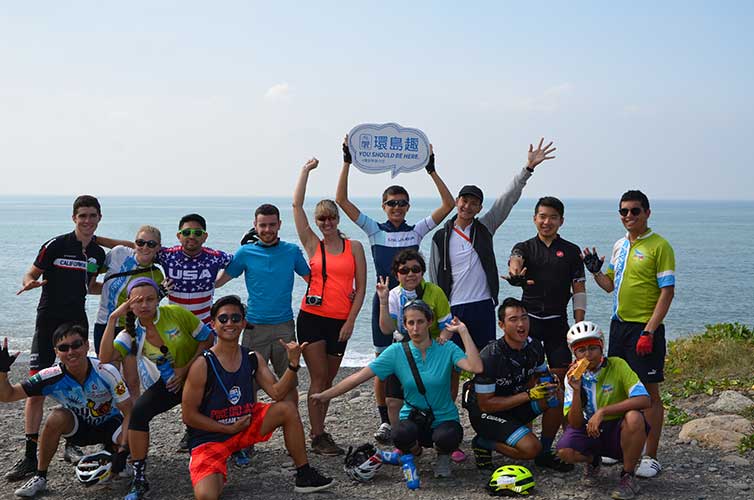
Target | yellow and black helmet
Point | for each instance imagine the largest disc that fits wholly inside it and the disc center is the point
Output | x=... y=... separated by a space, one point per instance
x=511 y=480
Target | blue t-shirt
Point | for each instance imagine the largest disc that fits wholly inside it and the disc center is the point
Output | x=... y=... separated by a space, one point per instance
x=269 y=279
x=435 y=372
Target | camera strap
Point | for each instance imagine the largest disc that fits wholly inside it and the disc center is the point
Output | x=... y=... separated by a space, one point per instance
x=324 y=270
x=415 y=372
x=138 y=270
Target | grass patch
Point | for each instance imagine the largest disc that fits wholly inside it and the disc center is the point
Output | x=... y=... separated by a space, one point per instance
x=720 y=358
x=673 y=414
x=746 y=444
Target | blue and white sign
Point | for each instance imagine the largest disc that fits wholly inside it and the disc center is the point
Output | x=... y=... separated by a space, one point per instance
x=388 y=147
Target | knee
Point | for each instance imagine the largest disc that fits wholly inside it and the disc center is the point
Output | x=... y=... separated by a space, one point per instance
x=57 y=421
x=287 y=409
x=567 y=455
x=447 y=436
x=633 y=422
x=140 y=416
x=529 y=447
x=405 y=434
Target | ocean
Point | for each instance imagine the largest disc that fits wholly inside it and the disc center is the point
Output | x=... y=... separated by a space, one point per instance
x=712 y=242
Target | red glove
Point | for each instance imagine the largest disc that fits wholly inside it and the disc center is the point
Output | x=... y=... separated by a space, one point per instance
x=644 y=344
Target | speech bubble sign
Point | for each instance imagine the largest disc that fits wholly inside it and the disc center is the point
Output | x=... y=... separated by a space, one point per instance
x=388 y=147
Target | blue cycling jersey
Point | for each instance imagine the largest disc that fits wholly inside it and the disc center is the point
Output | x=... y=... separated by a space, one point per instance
x=93 y=401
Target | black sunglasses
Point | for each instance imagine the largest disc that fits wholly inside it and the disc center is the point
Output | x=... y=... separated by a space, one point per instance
x=73 y=345
x=396 y=203
x=150 y=243
x=196 y=232
x=634 y=211
x=234 y=318
x=412 y=269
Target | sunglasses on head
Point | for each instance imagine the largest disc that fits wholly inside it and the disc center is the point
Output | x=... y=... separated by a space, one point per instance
x=396 y=203
x=233 y=318
x=73 y=345
x=634 y=211
x=188 y=232
x=149 y=243
x=324 y=218
x=412 y=269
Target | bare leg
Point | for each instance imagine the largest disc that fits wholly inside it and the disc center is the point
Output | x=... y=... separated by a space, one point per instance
x=33 y=410
x=632 y=438
x=210 y=487
x=571 y=456
x=285 y=414
x=655 y=415
x=527 y=448
x=59 y=422
x=138 y=442
x=316 y=362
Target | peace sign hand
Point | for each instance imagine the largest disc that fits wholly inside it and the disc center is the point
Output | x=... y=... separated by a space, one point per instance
x=383 y=288
x=537 y=156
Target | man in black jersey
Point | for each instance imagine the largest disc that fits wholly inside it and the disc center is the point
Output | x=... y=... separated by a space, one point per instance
x=549 y=269
x=510 y=393
x=68 y=264
x=220 y=408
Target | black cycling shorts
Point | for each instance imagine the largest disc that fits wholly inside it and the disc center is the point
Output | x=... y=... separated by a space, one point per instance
x=622 y=343
x=506 y=426
x=312 y=328
x=85 y=434
x=552 y=333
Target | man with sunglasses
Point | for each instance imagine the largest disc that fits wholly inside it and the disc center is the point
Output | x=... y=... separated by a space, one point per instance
x=95 y=402
x=220 y=407
x=641 y=276
x=386 y=240
x=68 y=265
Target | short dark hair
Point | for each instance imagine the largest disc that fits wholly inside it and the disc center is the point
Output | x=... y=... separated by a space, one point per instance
x=404 y=256
x=228 y=300
x=392 y=191
x=67 y=329
x=552 y=202
x=635 y=195
x=86 y=200
x=267 y=209
x=508 y=303
x=193 y=218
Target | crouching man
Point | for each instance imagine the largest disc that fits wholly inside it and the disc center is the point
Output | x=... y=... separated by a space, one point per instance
x=95 y=402
x=608 y=399
x=220 y=408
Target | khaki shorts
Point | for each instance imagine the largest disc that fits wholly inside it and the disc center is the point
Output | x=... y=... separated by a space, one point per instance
x=264 y=339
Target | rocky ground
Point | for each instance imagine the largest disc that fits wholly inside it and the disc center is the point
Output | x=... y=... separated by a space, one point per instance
x=690 y=471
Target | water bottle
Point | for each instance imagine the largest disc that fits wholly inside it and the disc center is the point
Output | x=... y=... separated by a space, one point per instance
x=165 y=368
x=553 y=401
x=409 y=471
x=389 y=457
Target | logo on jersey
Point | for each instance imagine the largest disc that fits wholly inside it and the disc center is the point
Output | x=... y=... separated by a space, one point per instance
x=78 y=265
x=607 y=389
x=559 y=253
x=189 y=274
x=638 y=255
x=101 y=410
x=120 y=389
x=234 y=394
x=171 y=332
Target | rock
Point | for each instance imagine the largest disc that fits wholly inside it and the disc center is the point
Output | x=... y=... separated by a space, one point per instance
x=731 y=402
x=735 y=460
x=717 y=431
x=741 y=486
x=712 y=469
x=355 y=394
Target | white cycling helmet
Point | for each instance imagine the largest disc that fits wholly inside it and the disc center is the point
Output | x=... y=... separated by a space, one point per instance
x=584 y=330
x=95 y=468
x=362 y=463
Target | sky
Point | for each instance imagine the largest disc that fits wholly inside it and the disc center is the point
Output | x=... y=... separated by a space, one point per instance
x=231 y=98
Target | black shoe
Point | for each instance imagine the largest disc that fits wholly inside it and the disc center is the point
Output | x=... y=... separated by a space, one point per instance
x=183 y=446
x=482 y=456
x=551 y=461
x=23 y=468
x=311 y=481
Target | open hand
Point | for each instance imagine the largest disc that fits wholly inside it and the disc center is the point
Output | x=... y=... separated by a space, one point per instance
x=6 y=360
x=31 y=285
x=593 y=426
x=537 y=156
x=592 y=261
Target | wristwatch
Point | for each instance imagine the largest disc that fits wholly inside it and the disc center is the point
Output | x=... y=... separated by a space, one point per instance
x=292 y=368
x=644 y=333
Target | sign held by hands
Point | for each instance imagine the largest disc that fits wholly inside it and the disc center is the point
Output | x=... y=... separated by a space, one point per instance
x=388 y=147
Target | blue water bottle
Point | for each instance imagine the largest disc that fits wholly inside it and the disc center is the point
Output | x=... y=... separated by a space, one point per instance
x=552 y=402
x=389 y=457
x=165 y=368
x=409 y=471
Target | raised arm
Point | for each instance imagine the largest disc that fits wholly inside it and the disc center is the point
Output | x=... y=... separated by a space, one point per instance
x=106 y=242
x=360 y=279
x=387 y=324
x=107 y=351
x=278 y=389
x=472 y=362
x=448 y=202
x=341 y=193
x=8 y=392
x=308 y=238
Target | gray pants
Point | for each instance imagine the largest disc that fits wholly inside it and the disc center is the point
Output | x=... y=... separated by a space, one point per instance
x=264 y=339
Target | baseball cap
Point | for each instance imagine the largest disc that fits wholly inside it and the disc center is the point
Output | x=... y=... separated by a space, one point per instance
x=471 y=190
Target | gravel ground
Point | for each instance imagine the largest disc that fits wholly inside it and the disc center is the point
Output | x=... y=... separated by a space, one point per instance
x=690 y=472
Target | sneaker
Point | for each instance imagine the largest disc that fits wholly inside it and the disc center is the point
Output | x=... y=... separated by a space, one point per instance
x=627 y=488
x=609 y=461
x=592 y=471
x=482 y=456
x=139 y=489
x=241 y=458
x=72 y=453
x=384 y=434
x=552 y=461
x=458 y=456
x=442 y=465
x=311 y=481
x=183 y=445
x=324 y=445
x=648 y=467
x=22 y=469
x=33 y=487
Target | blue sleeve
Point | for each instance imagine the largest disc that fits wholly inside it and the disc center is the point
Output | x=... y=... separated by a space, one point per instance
x=300 y=265
x=236 y=267
x=456 y=354
x=384 y=365
x=368 y=225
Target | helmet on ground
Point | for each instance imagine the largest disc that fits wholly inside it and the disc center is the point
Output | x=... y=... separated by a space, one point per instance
x=584 y=330
x=511 y=480
x=362 y=463
x=95 y=468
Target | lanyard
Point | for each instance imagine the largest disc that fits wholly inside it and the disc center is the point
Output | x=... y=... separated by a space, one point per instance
x=461 y=234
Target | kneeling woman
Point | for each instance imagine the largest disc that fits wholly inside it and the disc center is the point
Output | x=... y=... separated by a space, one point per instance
x=434 y=363
x=165 y=341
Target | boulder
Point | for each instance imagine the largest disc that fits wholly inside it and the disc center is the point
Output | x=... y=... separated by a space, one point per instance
x=717 y=431
x=731 y=402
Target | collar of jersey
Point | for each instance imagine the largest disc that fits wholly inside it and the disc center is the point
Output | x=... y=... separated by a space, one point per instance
x=642 y=236
x=88 y=369
x=265 y=245
x=154 y=322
